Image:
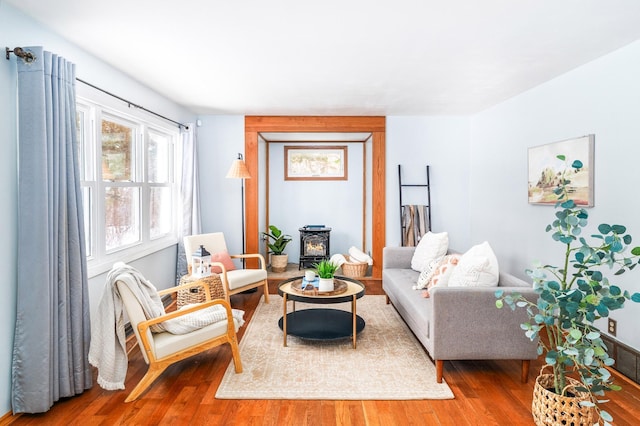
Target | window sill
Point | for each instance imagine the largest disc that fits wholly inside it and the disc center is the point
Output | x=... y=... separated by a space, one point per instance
x=100 y=266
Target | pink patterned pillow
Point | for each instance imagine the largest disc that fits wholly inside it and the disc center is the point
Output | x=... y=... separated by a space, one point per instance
x=440 y=277
x=224 y=258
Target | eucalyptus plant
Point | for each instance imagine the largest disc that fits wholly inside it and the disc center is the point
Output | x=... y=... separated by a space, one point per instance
x=572 y=296
x=277 y=240
x=326 y=268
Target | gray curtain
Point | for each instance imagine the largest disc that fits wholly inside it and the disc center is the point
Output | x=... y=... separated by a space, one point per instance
x=189 y=196
x=52 y=324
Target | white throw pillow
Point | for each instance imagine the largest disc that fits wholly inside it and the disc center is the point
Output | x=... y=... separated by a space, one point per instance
x=478 y=267
x=432 y=246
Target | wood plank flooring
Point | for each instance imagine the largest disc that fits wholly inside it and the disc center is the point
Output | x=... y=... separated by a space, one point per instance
x=486 y=393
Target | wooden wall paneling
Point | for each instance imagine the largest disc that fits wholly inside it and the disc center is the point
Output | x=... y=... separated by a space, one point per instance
x=378 y=200
x=251 y=196
x=375 y=125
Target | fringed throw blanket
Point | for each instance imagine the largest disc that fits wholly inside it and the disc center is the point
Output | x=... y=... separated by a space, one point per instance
x=415 y=223
x=107 y=351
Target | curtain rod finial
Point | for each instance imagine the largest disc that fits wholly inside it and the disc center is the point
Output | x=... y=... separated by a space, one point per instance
x=20 y=53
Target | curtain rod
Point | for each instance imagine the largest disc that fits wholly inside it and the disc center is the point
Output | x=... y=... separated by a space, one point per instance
x=30 y=57
x=131 y=104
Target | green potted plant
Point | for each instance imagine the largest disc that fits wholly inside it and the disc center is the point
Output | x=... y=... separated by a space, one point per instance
x=571 y=297
x=326 y=271
x=277 y=241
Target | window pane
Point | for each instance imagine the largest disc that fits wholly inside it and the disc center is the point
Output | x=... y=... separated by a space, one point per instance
x=160 y=212
x=122 y=212
x=82 y=144
x=87 y=203
x=158 y=158
x=117 y=152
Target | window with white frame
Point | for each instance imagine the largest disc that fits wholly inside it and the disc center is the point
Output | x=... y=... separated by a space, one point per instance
x=127 y=167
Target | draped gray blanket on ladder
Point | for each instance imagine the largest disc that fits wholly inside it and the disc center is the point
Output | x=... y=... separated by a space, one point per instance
x=52 y=330
x=415 y=223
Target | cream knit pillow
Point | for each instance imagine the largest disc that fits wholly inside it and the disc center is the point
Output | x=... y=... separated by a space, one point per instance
x=478 y=267
x=431 y=247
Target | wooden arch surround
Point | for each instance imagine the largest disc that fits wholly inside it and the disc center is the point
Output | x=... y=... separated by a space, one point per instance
x=253 y=125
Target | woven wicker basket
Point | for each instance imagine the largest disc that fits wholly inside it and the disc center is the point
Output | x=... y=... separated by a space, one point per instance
x=354 y=269
x=197 y=294
x=549 y=408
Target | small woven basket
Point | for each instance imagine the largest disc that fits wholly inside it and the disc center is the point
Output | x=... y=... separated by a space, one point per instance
x=354 y=269
x=197 y=294
x=549 y=408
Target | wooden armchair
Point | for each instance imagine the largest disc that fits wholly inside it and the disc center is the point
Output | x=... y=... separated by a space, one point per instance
x=237 y=280
x=160 y=350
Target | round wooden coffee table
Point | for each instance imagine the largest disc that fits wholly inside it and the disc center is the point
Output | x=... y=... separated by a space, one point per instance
x=321 y=323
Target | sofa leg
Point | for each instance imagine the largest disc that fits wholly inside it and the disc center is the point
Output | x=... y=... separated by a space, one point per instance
x=387 y=298
x=439 y=370
x=526 y=363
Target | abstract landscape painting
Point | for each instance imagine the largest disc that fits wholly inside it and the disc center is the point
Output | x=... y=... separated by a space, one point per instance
x=545 y=169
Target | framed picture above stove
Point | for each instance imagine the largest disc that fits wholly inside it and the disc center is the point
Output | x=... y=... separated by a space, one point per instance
x=315 y=162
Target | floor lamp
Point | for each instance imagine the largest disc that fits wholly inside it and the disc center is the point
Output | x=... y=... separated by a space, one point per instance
x=239 y=170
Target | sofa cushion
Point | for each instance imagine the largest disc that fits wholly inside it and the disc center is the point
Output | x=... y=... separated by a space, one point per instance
x=478 y=267
x=432 y=246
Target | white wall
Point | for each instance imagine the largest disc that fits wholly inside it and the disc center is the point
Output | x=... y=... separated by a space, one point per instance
x=220 y=139
x=442 y=143
x=20 y=30
x=602 y=97
x=336 y=204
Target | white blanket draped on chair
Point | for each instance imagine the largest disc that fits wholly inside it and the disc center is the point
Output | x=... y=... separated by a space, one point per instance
x=108 y=343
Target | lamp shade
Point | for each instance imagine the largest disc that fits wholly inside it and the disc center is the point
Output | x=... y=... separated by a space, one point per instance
x=238 y=170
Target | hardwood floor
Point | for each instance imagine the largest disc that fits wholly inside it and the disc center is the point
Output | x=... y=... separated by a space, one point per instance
x=486 y=393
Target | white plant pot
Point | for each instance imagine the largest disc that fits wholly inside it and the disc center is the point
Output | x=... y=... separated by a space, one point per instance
x=326 y=284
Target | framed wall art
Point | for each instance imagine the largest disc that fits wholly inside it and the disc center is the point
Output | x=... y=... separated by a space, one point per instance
x=315 y=163
x=545 y=169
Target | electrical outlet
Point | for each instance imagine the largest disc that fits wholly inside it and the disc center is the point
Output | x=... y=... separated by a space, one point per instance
x=612 y=327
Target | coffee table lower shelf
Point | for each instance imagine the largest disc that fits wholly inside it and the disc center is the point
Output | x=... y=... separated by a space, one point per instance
x=322 y=324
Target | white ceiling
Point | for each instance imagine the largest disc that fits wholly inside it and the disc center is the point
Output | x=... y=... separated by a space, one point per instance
x=341 y=57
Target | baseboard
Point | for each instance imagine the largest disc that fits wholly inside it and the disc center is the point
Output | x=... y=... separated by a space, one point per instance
x=627 y=359
x=8 y=418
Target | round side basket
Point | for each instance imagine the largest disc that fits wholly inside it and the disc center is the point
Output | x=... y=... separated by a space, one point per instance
x=190 y=295
x=549 y=408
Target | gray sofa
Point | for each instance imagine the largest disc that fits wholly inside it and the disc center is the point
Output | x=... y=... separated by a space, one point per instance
x=458 y=323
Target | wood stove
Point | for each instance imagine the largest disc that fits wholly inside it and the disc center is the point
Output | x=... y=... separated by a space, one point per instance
x=314 y=245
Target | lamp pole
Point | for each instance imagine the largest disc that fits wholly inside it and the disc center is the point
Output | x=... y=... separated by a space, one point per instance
x=239 y=170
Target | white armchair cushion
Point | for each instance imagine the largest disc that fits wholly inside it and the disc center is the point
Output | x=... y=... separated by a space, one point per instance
x=432 y=246
x=241 y=277
x=165 y=343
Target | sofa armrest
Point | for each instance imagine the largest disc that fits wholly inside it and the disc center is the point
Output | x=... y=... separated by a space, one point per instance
x=397 y=257
x=466 y=324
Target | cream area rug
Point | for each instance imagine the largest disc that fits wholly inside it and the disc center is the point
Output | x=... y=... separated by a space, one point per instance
x=388 y=363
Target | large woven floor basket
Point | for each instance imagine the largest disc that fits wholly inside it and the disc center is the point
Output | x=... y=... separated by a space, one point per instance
x=354 y=269
x=549 y=408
